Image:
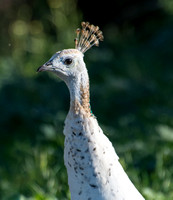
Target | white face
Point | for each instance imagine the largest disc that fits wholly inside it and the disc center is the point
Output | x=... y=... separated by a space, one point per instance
x=66 y=63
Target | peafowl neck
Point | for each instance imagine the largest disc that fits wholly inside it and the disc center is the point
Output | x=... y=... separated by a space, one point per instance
x=79 y=94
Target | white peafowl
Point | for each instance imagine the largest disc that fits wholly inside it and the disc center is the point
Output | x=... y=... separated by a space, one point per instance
x=94 y=172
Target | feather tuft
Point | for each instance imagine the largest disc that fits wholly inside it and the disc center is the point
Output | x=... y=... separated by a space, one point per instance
x=89 y=36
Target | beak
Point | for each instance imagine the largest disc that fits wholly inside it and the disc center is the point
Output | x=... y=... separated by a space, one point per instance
x=45 y=67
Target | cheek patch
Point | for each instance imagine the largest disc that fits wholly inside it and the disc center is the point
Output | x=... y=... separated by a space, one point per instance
x=78 y=66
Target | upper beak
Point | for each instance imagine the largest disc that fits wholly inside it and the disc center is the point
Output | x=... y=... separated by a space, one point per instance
x=45 y=67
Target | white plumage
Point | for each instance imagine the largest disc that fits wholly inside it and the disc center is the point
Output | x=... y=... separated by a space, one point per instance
x=94 y=172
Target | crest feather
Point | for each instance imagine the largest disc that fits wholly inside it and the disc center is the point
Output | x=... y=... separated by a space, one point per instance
x=87 y=37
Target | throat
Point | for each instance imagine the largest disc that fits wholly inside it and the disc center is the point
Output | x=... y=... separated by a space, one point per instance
x=85 y=98
x=80 y=96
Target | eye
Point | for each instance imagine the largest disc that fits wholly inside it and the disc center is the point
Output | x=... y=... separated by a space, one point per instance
x=67 y=61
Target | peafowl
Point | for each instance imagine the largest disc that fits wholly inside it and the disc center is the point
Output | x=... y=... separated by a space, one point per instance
x=94 y=172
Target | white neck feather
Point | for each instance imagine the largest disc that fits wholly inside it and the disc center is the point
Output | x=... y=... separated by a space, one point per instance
x=79 y=92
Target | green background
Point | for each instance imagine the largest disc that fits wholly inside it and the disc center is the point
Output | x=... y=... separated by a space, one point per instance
x=131 y=77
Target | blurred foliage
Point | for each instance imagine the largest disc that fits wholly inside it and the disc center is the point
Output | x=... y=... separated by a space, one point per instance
x=131 y=79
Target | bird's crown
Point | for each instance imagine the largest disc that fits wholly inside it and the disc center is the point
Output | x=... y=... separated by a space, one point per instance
x=87 y=37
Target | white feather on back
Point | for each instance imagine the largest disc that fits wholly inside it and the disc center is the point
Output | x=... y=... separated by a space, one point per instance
x=94 y=172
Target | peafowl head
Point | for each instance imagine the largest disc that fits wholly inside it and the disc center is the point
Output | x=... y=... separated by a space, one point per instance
x=69 y=63
x=66 y=63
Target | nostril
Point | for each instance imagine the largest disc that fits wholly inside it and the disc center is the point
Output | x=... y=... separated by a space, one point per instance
x=48 y=63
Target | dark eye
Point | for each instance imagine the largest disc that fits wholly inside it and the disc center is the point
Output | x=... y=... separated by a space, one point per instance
x=67 y=61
